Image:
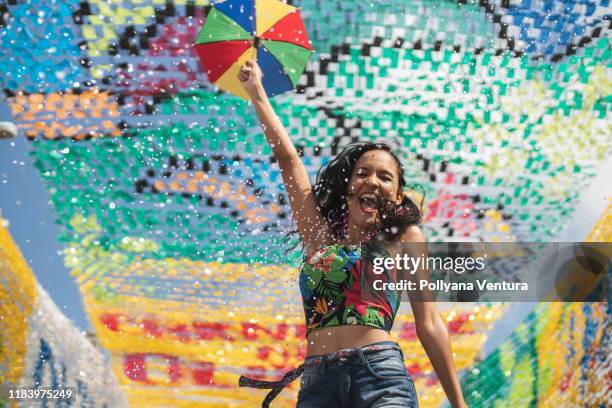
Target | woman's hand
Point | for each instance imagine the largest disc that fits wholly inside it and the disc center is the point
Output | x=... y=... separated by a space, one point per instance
x=250 y=77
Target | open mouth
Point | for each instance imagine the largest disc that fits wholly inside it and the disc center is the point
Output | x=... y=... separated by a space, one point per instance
x=368 y=202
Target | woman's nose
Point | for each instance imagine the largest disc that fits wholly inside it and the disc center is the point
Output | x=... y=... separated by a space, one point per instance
x=372 y=180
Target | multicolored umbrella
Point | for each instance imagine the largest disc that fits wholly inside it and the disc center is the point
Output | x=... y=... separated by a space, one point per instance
x=268 y=31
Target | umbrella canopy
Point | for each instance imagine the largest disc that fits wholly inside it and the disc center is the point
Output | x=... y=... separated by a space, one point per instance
x=268 y=31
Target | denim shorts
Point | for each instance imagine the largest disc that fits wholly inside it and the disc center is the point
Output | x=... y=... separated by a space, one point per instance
x=376 y=379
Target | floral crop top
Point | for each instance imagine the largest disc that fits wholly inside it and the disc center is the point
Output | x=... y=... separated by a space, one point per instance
x=337 y=289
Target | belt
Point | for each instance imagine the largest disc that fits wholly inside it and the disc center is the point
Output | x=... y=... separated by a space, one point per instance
x=277 y=386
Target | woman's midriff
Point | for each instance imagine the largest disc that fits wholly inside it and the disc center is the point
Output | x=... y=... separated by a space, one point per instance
x=330 y=339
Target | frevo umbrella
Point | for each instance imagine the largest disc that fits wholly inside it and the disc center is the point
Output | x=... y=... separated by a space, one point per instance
x=268 y=31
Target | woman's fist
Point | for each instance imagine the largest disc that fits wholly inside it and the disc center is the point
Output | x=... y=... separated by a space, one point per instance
x=250 y=76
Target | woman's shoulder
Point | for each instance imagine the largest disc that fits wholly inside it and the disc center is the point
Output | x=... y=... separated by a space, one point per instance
x=413 y=233
x=412 y=240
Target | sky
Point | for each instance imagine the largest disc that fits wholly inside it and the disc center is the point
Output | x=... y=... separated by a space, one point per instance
x=24 y=202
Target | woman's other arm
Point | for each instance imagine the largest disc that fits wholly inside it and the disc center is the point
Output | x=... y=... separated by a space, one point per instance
x=430 y=328
x=311 y=225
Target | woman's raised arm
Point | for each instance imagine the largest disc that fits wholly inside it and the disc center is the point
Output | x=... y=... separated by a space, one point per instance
x=311 y=225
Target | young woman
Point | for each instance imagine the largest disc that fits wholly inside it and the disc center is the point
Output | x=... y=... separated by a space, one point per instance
x=357 y=202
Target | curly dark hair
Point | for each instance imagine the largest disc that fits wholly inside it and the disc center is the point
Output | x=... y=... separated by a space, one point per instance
x=331 y=194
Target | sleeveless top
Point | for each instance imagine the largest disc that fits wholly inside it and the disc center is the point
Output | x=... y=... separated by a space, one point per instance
x=337 y=287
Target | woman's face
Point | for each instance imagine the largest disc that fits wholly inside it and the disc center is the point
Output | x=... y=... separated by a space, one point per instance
x=375 y=173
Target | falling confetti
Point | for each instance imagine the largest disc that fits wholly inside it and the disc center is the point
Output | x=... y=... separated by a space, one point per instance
x=172 y=209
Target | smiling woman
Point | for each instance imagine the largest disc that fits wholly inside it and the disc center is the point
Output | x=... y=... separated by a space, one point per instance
x=356 y=204
x=361 y=192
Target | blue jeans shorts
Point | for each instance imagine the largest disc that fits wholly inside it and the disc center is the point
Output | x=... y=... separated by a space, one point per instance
x=377 y=379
